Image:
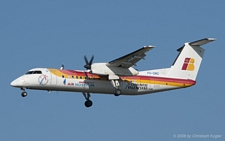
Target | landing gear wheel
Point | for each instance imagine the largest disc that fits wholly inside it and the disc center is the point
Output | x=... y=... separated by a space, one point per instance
x=117 y=92
x=88 y=103
x=24 y=94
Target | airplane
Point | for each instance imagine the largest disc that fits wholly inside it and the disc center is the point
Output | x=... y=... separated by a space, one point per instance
x=118 y=77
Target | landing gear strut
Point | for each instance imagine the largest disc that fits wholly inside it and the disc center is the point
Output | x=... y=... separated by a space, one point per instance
x=88 y=102
x=23 y=94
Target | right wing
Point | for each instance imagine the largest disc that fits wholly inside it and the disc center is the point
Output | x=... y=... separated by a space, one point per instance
x=131 y=58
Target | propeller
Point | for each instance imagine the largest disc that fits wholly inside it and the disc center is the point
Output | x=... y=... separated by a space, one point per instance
x=88 y=64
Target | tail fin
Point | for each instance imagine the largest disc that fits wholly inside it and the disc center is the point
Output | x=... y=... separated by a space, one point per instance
x=189 y=60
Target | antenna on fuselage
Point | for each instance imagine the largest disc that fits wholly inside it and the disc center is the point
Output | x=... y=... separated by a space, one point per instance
x=62 y=67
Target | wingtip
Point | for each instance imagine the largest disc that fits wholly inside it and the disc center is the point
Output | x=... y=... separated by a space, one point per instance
x=211 y=39
x=149 y=46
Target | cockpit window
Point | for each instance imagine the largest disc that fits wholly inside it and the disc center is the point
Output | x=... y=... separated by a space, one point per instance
x=37 y=72
x=29 y=72
x=34 y=72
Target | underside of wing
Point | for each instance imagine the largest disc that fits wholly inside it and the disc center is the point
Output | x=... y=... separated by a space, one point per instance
x=131 y=58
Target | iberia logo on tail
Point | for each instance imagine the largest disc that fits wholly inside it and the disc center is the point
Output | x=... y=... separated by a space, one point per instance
x=188 y=64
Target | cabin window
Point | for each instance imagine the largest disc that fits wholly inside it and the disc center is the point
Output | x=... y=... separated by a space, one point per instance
x=80 y=77
x=62 y=76
x=72 y=76
x=76 y=77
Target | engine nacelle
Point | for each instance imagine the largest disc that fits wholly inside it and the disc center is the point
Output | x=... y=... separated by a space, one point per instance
x=102 y=69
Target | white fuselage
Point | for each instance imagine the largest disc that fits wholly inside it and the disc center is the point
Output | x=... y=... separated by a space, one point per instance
x=82 y=81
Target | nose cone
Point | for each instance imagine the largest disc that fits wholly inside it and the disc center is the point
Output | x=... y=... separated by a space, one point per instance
x=19 y=82
x=13 y=83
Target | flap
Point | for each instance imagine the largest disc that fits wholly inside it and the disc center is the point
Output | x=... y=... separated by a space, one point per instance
x=113 y=77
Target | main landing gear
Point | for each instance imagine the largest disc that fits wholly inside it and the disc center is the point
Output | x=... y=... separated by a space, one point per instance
x=88 y=102
x=23 y=94
x=117 y=92
x=116 y=84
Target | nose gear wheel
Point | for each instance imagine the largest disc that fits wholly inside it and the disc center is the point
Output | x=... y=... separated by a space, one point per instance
x=23 y=94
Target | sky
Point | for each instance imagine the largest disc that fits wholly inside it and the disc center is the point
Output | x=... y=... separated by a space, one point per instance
x=47 y=33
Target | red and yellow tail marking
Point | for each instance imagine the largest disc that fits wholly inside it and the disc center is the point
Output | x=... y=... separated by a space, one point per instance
x=188 y=64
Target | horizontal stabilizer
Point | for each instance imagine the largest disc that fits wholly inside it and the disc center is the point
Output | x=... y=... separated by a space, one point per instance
x=198 y=42
x=202 y=42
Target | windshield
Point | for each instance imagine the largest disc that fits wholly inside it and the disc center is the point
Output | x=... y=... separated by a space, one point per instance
x=33 y=72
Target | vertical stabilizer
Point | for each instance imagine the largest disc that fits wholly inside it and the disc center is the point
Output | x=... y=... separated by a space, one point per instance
x=189 y=60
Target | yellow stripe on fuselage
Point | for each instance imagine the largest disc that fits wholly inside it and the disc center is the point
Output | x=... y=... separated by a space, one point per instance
x=58 y=73
x=177 y=84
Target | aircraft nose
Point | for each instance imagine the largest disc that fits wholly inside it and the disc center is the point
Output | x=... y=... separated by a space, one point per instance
x=17 y=82
x=13 y=83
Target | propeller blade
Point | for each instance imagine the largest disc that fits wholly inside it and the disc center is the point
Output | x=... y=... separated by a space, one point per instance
x=85 y=58
x=88 y=64
x=91 y=60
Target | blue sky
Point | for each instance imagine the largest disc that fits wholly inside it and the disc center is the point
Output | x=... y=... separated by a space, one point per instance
x=49 y=33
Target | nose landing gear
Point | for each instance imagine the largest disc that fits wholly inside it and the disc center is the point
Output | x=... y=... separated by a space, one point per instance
x=23 y=94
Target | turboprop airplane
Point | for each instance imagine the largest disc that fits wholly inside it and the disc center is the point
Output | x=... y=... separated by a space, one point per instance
x=118 y=77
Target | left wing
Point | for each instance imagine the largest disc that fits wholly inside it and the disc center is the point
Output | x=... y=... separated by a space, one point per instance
x=131 y=58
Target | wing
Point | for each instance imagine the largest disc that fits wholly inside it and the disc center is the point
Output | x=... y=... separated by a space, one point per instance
x=131 y=58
